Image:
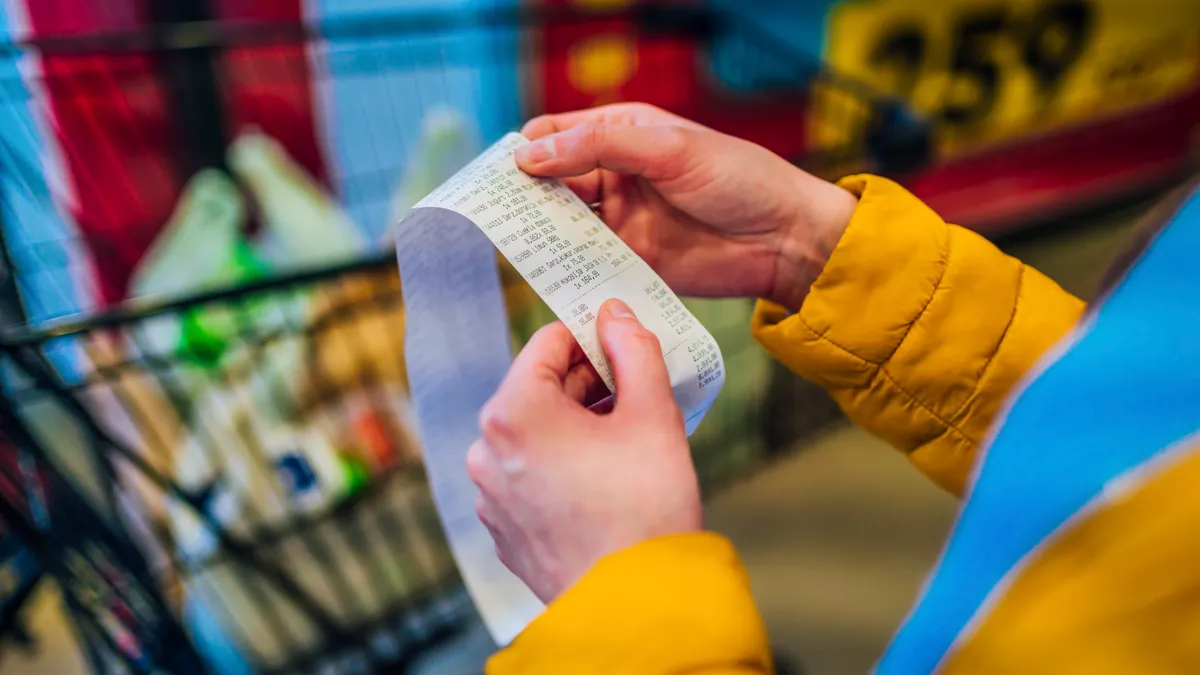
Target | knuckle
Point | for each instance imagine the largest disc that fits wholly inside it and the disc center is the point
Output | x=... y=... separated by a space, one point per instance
x=539 y=126
x=646 y=339
x=496 y=423
x=502 y=555
x=593 y=133
x=647 y=109
x=675 y=140
x=549 y=332
x=477 y=462
x=481 y=510
x=539 y=121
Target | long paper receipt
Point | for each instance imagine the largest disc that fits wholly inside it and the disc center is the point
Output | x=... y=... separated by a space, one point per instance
x=456 y=336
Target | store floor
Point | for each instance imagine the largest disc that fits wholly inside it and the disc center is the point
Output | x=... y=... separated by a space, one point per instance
x=837 y=538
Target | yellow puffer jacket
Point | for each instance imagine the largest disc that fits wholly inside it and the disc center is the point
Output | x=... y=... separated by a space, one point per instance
x=920 y=330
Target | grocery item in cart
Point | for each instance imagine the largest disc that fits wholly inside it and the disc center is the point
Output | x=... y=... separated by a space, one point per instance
x=302 y=224
x=279 y=485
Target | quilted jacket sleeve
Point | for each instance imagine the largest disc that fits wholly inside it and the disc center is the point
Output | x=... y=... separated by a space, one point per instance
x=919 y=329
x=672 y=606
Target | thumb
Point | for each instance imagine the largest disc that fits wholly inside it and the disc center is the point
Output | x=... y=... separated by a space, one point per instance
x=653 y=152
x=636 y=358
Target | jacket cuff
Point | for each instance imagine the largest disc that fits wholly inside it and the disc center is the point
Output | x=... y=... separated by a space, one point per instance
x=670 y=605
x=877 y=281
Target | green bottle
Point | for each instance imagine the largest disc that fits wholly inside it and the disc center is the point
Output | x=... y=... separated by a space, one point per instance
x=208 y=330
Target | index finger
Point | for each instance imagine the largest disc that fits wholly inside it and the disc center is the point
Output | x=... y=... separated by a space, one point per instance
x=543 y=364
x=614 y=113
x=544 y=125
x=529 y=390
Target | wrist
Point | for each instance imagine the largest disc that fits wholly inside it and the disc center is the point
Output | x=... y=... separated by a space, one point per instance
x=822 y=213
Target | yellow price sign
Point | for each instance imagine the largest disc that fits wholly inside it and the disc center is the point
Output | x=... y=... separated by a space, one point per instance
x=989 y=70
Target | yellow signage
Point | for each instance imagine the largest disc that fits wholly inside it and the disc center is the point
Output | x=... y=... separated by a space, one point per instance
x=988 y=70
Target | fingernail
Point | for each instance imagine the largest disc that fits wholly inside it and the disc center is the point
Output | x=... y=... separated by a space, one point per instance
x=537 y=152
x=620 y=310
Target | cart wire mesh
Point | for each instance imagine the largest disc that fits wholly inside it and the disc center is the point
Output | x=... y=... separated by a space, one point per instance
x=365 y=568
x=194 y=212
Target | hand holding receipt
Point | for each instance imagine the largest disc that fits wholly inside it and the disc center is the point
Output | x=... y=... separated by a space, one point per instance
x=456 y=345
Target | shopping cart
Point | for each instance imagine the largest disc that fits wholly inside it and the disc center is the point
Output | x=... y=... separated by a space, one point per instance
x=19 y=578
x=348 y=580
x=103 y=580
x=226 y=392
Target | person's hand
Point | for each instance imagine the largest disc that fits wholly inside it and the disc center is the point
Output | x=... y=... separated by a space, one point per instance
x=562 y=486
x=714 y=215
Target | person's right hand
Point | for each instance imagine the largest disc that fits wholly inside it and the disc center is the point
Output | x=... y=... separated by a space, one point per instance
x=714 y=215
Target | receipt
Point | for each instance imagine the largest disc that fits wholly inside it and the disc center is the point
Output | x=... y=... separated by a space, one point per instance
x=456 y=341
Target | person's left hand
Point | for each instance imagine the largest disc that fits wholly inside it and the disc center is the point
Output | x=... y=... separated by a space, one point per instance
x=562 y=486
